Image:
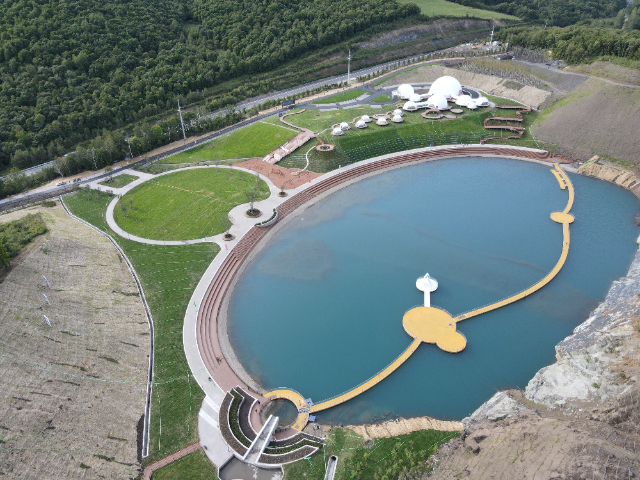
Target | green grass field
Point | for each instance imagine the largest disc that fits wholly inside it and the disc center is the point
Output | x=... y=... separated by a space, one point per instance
x=255 y=140
x=186 y=205
x=435 y=8
x=119 y=181
x=383 y=98
x=340 y=97
x=168 y=275
x=501 y=101
x=17 y=234
x=404 y=456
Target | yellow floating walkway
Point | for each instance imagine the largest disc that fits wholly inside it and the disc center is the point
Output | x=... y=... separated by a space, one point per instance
x=433 y=325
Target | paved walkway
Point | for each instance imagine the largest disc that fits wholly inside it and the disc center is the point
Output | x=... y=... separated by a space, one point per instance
x=148 y=471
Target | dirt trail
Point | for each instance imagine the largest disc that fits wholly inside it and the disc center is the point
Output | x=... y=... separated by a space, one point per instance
x=73 y=394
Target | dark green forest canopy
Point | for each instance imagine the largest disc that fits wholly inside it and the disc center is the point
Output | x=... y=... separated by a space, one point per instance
x=551 y=12
x=576 y=43
x=72 y=68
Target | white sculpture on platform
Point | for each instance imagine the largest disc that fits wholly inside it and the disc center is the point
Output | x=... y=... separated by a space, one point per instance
x=427 y=285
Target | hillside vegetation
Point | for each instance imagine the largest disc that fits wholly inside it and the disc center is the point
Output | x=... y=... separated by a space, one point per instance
x=71 y=69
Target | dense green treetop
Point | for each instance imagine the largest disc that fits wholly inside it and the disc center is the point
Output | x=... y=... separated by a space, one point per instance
x=70 y=69
x=551 y=12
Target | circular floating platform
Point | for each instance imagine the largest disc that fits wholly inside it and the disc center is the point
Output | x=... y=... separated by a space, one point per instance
x=432 y=325
x=325 y=147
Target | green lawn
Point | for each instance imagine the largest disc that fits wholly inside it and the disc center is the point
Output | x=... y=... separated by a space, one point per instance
x=386 y=459
x=168 y=275
x=195 y=466
x=434 y=8
x=340 y=97
x=501 y=101
x=415 y=132
x=186 y=205
x=255 y=140
x=383 y=98
x=119 y=181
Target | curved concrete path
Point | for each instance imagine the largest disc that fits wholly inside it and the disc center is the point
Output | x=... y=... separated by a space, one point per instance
x=236 y=214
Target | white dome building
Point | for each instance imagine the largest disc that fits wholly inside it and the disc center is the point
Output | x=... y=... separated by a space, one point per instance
x=446 y=86
x=405 y=91
x=472 y=105
x=344 y=126
x=463 y=100
x=482 y=101
x=410 y=106
x=361 y=124
x=365 y=118
x=397 y=111
x=437 y=101
x=397 y=119
x=382 y=122
x=337 y=131
x=415 y=98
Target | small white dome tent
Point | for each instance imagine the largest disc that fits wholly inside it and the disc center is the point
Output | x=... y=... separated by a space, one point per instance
x=463 y=100
x=482 y=101
x=365 y=118
x=472 y=105
x=415 y=98
x=397 y=111
x=397 y=119
x=344 y=126
x=337 y=131
x=361 y=124
x=410 y=107
x=382 y=121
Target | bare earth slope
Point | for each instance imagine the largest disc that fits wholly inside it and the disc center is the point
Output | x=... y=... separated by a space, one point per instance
x=594 y=119
x=71 y=395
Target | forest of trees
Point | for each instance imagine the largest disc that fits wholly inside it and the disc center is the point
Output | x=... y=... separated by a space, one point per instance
x=70 y=70
x=551 y=12
x=577 y=43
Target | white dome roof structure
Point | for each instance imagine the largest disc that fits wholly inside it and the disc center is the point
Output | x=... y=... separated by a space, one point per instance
x=437 y=101
x=410 y=106
x=361 y=124
x=415 y=97
x=463 y=100
x=482 y=101
x=382 y=121
x=397 y=111
x=472 y=105
x=405 y=91
x=446 y=86
x=344 y=126
x=397 y=119
x=365 y=118
x=337 y=131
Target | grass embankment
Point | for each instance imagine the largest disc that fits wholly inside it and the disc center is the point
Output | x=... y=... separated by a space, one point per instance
x=340 y=97
x=188 y=204
x=255 y=140
x=168 y=275
x=119 y=181
x=436 y=8
x=501 y=101
x=195 y=466
x=17 y=234
x=360 y=144
x=386 y=459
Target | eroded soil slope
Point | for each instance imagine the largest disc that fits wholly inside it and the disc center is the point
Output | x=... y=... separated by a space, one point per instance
x=594 y=119
x=71 y=395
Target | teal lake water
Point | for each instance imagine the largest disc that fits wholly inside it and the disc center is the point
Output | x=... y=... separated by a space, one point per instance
x=320 y=308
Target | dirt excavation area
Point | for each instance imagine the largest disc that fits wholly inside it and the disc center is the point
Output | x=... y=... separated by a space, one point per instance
x=72 y=395
x=594 y=119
